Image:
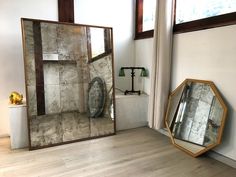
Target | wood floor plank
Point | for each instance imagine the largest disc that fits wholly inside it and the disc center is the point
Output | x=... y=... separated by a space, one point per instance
x=140 y=152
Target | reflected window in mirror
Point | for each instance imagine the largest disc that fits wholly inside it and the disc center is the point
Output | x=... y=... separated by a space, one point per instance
x=145 y=17
x=99 y=43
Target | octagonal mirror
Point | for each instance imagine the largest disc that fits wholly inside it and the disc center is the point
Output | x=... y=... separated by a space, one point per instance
x=195 y=116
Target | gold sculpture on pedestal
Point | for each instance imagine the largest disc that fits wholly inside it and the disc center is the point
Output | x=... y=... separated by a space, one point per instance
x=16 y=98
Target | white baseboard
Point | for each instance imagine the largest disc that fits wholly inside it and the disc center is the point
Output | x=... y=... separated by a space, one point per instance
x=4 y=135
x=164 y=132
x=212 y=154
x=222 y=158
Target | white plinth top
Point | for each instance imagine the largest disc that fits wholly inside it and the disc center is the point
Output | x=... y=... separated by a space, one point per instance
x=121 y=95
x=17 y=105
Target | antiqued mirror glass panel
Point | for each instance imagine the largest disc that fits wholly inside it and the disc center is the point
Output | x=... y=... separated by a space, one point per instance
x=69 y=91
x=195 y=116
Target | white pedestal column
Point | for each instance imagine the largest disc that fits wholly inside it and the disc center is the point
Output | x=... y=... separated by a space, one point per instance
x=18 y=126
x=131 y=111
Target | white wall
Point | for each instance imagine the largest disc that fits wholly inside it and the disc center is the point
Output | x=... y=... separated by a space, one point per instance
x=118 y=14
x=210 y=55
x=143 y=58
x=207 y=55
x=11 y=51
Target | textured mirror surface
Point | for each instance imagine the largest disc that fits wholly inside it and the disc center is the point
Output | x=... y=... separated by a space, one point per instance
x=96 y=97
x=60 y=73
x=196 y=115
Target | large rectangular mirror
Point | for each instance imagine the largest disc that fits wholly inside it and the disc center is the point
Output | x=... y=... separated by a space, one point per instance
x=69 y=82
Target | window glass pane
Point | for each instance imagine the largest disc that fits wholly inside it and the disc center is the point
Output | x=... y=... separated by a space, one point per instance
x=189 y=10
x=149 y=8
x=97 y=41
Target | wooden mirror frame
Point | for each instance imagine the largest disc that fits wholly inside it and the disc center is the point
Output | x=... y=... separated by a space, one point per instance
x=218 y=96
x=93 y=134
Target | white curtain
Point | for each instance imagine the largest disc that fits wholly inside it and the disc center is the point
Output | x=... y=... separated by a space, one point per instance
x=161 y=63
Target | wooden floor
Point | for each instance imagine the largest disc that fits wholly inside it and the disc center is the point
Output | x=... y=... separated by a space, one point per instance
x=138 y=152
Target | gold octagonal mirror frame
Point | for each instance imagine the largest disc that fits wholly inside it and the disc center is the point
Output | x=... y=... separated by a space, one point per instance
x=195 y=116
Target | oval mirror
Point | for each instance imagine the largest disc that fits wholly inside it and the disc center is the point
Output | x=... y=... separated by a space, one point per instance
x=195 y=116
x=96 y=97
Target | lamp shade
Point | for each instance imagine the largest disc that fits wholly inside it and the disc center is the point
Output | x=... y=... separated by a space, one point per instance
x=121 y=72
x=143 y=73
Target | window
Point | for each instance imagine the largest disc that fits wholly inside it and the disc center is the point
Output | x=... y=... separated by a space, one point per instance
x=98 y=42
x=191 y=15
x=145 y=17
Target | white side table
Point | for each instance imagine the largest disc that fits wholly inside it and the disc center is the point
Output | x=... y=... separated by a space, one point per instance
x=18 y=126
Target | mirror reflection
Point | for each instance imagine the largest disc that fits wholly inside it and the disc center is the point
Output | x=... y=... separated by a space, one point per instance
x=69 y=81
x=195 y=115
